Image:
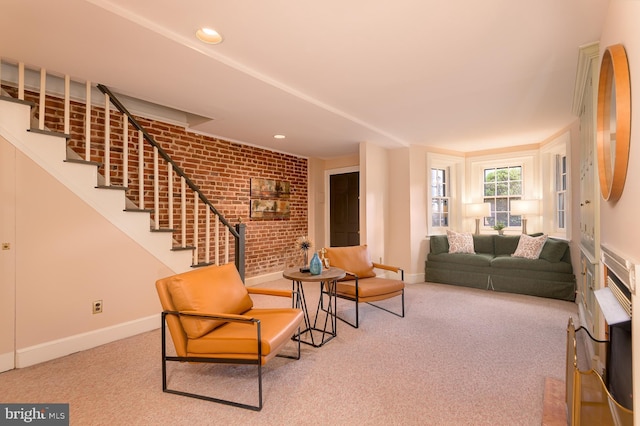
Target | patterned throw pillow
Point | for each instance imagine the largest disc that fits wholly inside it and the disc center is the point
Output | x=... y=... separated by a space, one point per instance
x=460 y=242
x=530 y=247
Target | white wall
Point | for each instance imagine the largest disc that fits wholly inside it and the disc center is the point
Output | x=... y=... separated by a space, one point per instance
x=418 y=206
x=398 y=234
x=619 y=221
x=66 y=256
x=374 y=194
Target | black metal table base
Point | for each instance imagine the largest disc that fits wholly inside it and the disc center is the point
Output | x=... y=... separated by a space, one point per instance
x=312 y=334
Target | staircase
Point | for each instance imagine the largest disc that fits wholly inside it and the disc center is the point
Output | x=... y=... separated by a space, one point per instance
x=116 y=166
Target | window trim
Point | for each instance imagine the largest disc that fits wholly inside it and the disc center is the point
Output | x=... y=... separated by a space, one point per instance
x=446 y=197
x=559 y=189
x=528 y=160
x=455 y=167
x=509 y=197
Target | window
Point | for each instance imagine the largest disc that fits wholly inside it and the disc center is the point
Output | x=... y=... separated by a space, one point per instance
x=501 y=186
x=561 y=190
x=439 y=198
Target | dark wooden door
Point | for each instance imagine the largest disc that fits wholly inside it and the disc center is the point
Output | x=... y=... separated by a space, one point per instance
x=344 y=209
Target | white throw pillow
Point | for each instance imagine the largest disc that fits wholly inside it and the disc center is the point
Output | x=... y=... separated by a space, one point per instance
x=530 y=247
x=460 y=242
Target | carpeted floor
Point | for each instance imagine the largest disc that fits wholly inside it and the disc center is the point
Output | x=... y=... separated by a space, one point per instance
x=460 y=357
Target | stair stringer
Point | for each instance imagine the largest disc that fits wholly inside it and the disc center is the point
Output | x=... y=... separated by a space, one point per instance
x=49 y=152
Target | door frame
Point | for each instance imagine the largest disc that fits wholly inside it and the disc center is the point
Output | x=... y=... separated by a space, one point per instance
x=327 y=198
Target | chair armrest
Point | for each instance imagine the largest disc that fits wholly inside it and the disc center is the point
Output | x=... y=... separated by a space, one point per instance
x=389 y=268
x=270 y=291
x=215 y=316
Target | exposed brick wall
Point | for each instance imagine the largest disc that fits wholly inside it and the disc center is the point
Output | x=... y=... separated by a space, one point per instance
x=221 y=169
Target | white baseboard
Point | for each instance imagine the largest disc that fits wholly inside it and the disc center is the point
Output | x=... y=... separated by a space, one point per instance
x=80 y=342
x=414 y=278
x=273 y=276
x=7 y=361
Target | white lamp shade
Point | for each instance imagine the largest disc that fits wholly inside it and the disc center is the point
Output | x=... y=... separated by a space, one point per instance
x=525 y=207
x=478 y=209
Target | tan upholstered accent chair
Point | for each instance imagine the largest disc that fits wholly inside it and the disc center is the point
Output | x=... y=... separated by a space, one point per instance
x=211 y=318
x=361 y=285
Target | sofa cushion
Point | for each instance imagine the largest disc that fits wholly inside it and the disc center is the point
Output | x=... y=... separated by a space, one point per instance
x=522 y=264
x=460 y=242
x=530 y=247
x=438 y=244
x=553 y=250
x=505 y=244
x=208 y=290
x=483 y=244
x=354 y=259
x=480 y=259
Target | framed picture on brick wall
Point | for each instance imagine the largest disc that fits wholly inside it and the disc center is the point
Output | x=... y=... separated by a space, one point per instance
x=270 y=199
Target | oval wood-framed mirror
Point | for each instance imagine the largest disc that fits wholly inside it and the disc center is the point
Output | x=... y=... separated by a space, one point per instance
x=613 y=122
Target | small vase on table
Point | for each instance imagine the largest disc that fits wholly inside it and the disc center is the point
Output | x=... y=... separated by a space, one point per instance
x=315 y=266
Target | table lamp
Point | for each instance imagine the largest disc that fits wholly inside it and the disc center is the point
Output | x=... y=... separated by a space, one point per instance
x=478 y=211
x=525 y=208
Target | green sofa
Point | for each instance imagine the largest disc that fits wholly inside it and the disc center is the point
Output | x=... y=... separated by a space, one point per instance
x=492 y=267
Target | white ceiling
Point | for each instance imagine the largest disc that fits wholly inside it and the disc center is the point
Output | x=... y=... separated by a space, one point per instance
x=462 y=75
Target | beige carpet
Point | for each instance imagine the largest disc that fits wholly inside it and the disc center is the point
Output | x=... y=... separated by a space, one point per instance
x=459 y=357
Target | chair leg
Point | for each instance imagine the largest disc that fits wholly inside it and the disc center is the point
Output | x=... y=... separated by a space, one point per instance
x=344 y=320
x=401 y=315
x=166 y=358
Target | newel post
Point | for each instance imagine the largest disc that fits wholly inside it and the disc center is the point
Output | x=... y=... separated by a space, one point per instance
x=240 y=248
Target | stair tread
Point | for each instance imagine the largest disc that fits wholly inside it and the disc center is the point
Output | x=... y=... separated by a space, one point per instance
x=139 y=210
x=162 y=230
x=202 y=264
x=49 y=132
x=123 y=188
x=180 y=248
x=18 y=101
x=79 y=161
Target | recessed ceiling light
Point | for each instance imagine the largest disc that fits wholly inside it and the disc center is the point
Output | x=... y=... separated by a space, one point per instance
x=208 y=35
x=279 y=136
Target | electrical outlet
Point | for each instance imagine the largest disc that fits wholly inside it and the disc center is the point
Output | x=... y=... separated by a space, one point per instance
x=97 y=307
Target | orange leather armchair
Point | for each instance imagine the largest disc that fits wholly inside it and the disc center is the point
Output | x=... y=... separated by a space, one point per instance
x=361 y=285
x=211 y=318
